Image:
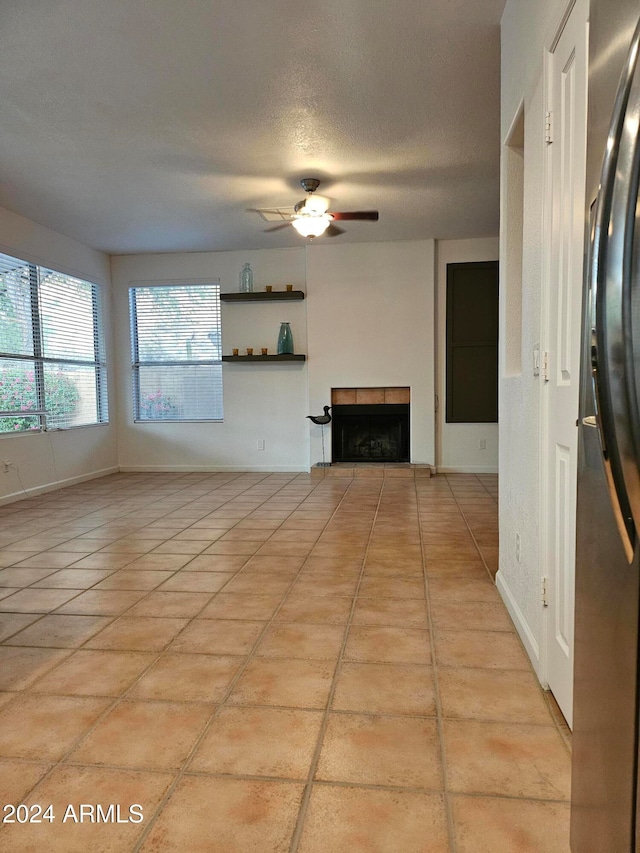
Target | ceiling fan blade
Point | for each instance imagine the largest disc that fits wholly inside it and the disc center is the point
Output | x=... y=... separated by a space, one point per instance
x=276 y=227
x=334 y=231
x=371 y=215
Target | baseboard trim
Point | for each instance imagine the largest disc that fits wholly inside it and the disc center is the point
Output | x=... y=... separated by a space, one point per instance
x=467 y=469
x=522 y=627
x=23 y=494
x=213 y=469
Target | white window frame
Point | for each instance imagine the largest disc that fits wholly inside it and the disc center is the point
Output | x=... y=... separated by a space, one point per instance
x=136 y=363
x=37 y=272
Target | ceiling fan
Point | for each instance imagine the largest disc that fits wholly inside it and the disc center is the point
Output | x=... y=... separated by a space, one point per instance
x=311 y=216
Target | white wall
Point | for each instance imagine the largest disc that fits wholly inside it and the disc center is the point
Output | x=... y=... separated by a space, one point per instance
x=370 y=320
x=371 y=324
x=49 y=460
x=458 y=445
x=527 y=33
x=261 y=401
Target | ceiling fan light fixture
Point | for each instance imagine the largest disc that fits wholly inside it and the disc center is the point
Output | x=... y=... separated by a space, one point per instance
x=311 y=216
x=316 y=204
x=312 y=225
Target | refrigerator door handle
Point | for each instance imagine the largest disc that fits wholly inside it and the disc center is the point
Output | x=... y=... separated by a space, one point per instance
x=612 y=262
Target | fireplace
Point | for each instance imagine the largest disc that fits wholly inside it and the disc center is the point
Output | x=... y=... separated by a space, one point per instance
x=370 y=433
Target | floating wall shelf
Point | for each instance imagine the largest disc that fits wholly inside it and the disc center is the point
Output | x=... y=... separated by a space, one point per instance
x=263 y=296
x=269 y=358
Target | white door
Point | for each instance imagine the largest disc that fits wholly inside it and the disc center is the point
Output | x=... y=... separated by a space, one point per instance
x=561 y=341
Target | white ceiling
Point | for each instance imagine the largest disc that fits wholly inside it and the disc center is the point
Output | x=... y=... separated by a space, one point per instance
x=154 y=125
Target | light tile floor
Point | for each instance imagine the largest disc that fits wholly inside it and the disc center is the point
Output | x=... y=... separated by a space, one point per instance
x=270 y=663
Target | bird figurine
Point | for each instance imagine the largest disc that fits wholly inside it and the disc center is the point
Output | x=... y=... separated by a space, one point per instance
x=321 y=420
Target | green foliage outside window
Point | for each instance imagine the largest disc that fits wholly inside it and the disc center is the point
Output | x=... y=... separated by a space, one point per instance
x=18 y=393
x=156 y=406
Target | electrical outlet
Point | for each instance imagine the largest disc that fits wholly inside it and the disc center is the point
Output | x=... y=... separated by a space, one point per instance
x=518 y=547
x=483 y=444
x=261 y=444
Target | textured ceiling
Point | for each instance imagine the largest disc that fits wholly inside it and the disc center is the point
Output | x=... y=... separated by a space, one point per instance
x=156 y=125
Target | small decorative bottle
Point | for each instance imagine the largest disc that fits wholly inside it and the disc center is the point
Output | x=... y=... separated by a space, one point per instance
x=285 y=340
x=246 y=279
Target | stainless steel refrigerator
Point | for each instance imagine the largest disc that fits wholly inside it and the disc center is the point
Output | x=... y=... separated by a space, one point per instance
x=604 y=812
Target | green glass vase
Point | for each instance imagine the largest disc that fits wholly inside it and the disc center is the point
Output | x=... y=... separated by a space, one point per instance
x=285 y=340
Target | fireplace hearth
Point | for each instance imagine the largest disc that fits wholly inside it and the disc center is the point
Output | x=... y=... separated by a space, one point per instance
x=370 y=433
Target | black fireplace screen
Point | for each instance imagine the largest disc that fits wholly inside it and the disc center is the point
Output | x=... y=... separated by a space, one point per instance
x=375 y=433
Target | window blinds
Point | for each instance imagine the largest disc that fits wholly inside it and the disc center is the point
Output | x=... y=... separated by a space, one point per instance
x=176 y=349
x=52 y=360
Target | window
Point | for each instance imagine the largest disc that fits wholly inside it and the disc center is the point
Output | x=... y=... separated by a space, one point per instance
x=52 y=362
x=176 y=349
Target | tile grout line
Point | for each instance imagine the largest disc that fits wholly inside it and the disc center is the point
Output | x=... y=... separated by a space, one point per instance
x=306 y=796
x=135 y=556
x=232 y=684
x=110 y=707
x=323 y=783
x=231 y=687
x=173 y=573
x=544 y=693
x=120 y=515
x=448 y=806
x=253 y=653
x=566 y=736
x=122 y=696
x=478 y=548
x=149 y=502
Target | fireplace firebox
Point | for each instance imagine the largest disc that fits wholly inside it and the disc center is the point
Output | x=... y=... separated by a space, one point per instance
x=370 y=433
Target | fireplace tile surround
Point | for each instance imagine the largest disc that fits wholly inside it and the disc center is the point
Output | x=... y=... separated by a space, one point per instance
x=393 y=396
x=369 y=396
x=373 y=470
